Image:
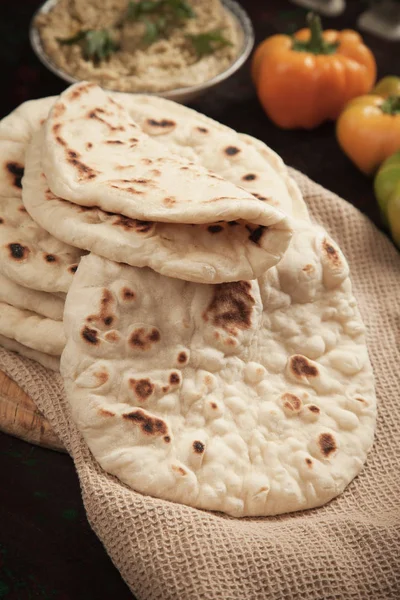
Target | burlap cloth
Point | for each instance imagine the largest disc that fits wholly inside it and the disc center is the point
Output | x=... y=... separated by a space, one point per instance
x=347 y=549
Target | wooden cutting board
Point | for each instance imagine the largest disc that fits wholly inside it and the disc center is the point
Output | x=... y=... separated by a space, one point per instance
x=20 y=417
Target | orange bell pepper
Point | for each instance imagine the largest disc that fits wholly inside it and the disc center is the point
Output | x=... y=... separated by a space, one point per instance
x=368 y=130
x=307 y=79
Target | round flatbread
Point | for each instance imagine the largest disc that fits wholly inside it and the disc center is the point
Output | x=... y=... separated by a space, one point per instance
x=251 y=398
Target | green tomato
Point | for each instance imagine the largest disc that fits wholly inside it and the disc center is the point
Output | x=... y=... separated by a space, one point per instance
x=393 y=214
x=386 y=182
x=388 y=86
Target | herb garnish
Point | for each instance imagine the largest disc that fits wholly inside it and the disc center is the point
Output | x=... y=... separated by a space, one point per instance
x=164 y=16
x=208 y=42
x=97 y=44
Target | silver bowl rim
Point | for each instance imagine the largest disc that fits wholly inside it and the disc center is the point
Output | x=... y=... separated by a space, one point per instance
x=234 y=8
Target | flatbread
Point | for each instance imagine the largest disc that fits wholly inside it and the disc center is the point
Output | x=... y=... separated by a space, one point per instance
x=178 y=127
x=46 y=360
x=31 y=329
x=29 y=255
x=139 y=179
x=212 y=253
x=251 y=398
x=92 y=148
x=48 y=305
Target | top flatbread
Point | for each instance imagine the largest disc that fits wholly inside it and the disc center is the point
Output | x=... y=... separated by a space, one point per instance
x=95 y=155
x=192 y=135
x=91 y=157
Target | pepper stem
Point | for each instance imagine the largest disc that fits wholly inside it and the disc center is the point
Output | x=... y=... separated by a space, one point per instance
x=316 y=39
x=316 y=44
x=391 y=106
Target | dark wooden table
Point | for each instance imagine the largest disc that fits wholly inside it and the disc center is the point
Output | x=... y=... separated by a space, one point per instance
x=47 y=549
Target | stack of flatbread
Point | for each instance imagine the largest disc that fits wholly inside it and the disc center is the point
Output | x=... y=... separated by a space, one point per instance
x=212 y=350
x=36 y=269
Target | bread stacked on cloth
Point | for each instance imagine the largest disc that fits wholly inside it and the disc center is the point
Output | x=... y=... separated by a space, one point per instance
x=38 y=261
x=215 y=355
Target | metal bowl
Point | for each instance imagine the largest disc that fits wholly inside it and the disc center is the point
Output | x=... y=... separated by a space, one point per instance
x=184 y=94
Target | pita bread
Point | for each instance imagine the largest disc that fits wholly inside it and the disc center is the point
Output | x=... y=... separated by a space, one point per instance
x=183 y=127
x=251 y=398
x=94 y=154
x=49 y=362
x=213 y=253
x=32 y=330
x=47 y=305
x=29 y=255
x=143 y=180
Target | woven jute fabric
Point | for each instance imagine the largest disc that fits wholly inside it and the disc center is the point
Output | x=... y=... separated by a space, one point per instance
x=348 y=549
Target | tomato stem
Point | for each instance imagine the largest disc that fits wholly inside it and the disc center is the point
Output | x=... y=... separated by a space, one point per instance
x=391 y=106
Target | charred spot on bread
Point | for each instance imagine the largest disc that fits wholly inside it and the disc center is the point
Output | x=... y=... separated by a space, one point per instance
x=214 y=228
x=174 y=379
x=90 y=335
x=301 y=366
x=327 y=444
x=148 y=424
x=231 y=307
x=17 y=172
x=18 y=251
x=231 y=150
x=198 y=447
